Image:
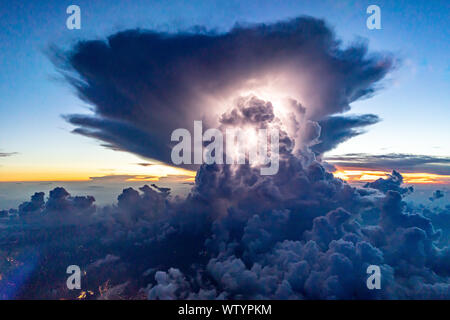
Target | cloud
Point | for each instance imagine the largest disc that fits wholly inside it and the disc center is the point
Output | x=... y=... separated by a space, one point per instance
x=298 y=234
x=7 y=154
x=143 y=84
x=109 y=258
x=59 y=208
x=393 y=182
x=113 y=178
x=402 y=162
x=127 y=177
x=145 y=164
x=337 y=129
x=438 y=194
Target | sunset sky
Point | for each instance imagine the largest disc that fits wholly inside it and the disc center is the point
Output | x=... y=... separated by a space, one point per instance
x=414 y=107
x=92 y=119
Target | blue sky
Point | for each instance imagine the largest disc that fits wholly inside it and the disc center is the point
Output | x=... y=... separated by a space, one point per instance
x=414 y=107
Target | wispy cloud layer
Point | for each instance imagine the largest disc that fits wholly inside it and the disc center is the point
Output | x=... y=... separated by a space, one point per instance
x=7 y=154
x=402 y=162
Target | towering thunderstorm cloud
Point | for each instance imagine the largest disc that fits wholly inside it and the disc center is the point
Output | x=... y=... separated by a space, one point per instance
x=144 y=84
x=298 y=234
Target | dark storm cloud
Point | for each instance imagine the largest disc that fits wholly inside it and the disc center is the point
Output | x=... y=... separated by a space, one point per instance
x=299 y=234
x=311 y=250
x=36 y=203
x=123 y=136
x=402 y=162
x=337 y=129
x=143 y=84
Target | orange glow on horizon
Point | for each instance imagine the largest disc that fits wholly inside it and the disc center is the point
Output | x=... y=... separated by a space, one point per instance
x=44 y=176
x=30 y=174
x=351 y=175
x=358 y=175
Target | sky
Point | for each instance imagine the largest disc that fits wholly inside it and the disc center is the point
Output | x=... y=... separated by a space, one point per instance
x=37 y=143
x=363 y=168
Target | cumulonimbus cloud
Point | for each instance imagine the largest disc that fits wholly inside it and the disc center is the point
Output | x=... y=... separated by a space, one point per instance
x=337 y=129
x=297 y=234
x=143 y=84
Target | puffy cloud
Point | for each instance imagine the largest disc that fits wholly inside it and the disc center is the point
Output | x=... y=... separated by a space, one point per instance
x=36 y=204
x=392 y=183
x=170 y=285
x=299 y=234
x=60 y=207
